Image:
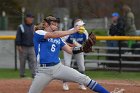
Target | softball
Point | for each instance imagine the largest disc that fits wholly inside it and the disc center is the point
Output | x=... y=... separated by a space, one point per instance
x=81 y=30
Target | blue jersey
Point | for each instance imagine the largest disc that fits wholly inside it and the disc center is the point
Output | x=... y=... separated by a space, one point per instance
x=80 y=38
x=47 y=50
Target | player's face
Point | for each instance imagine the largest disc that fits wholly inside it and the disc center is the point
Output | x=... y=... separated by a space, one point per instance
x=114 y=19
x=29 y=20
x=54 y=26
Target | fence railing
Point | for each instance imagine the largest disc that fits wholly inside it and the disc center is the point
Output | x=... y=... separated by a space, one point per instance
x=112 y=57
x=97 y=37
x=118 y=38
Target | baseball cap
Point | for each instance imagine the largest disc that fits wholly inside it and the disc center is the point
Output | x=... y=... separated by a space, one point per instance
x=29 y=15
x=79 y=23
x=115 y=14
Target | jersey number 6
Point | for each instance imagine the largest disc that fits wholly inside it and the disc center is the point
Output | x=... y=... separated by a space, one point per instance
x=53 y=47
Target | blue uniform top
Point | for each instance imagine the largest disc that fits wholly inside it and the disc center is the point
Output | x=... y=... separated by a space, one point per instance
x=80 y=38
x=47 y=50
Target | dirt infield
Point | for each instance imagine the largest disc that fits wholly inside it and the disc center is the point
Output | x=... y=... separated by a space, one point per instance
x=22 y=86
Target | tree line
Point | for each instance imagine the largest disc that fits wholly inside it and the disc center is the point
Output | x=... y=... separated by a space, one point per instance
x=78 y=8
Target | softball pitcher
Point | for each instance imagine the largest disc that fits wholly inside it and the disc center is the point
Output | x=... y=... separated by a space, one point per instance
x=47 y=44
x=73 y=40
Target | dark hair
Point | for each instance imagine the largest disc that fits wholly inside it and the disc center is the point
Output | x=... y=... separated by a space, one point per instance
x=73 y=22
x=39 y=26
x=58 y=20
x=49 y=19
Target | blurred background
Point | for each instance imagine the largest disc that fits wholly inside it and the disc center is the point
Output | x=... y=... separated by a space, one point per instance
x=96 y=13
x=109 y=57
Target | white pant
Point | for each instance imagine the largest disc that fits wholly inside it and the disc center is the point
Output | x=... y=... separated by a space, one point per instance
x=59 y=71
x=79 y=59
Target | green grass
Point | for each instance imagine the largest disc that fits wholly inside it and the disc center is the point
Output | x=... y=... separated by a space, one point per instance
x=10 y=73
x=111 y=75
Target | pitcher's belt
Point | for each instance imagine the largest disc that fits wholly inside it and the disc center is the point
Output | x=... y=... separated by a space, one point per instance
x=48 y=64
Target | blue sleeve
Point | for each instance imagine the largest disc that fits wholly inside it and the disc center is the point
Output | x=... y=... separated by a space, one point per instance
x=69 y=40
x=38 y=37
x=62 y=43
x=85 y=37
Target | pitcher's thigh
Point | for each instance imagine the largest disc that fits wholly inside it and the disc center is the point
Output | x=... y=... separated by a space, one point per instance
x=70 y=74
x=39 y=82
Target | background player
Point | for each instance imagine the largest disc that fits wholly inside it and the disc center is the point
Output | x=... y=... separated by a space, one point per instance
x=73 y=40
x=25 y=46
x=47 y=47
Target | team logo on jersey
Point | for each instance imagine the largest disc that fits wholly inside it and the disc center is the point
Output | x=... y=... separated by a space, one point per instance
x=77 y=39
x=55 y=41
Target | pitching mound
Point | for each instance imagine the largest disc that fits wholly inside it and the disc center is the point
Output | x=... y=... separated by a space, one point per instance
x=22 y=86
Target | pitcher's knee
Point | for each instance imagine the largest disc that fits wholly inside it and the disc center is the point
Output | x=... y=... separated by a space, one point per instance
x=83 y=79
x=82 y=69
